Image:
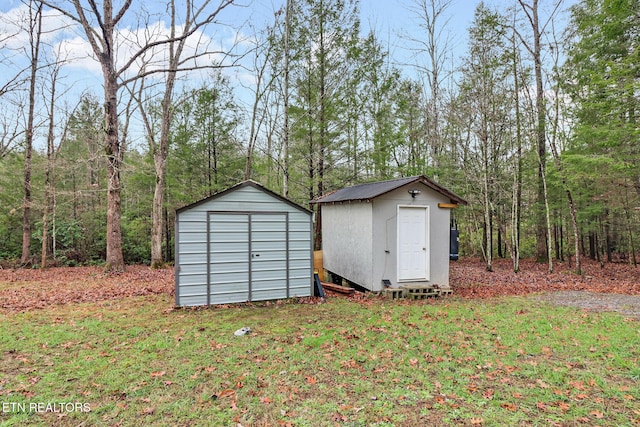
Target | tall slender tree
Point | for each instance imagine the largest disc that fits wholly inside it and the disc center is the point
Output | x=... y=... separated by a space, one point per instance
x=531 y=9
x=435 y=43
x=35 y=34
x=485 y=87
x=177 y=61
x=326 y=33
x=100 y=26
x=49 y=191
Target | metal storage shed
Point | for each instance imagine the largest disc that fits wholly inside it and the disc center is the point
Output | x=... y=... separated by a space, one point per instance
x=246 y=243
x=396 y=230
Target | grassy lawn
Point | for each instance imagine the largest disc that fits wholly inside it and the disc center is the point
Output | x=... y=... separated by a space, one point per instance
x=134 y=361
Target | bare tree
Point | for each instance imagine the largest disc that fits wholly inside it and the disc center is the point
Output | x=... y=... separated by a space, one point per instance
x=285 y=130
x=534 y=47
x=553 y=143
x=100 y=26
x=160 y=145
x=436 y=45
x=50 y=169
x=10 y=131
x=35 y=34
x=263 y=83
x=10 y=128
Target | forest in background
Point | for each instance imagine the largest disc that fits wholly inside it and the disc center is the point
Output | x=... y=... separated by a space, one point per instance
x=535 y=125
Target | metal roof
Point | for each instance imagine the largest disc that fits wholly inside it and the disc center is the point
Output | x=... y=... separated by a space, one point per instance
x=371 y=190
x=247 y=183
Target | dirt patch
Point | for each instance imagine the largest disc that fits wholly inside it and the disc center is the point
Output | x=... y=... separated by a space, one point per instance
x=627 y=305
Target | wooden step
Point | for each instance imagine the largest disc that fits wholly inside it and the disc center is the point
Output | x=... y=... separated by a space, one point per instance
x=338 y=288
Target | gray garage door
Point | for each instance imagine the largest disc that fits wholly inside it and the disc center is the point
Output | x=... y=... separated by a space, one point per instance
x=248 y=256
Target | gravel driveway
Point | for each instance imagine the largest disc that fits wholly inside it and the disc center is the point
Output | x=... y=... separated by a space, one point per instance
x=627 y=305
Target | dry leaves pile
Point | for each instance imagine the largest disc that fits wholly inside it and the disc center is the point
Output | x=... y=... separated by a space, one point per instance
x=26 y=289
x=470 y=279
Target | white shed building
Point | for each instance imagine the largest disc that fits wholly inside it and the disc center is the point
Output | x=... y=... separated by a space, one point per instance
x=246 y=243
x=396 y=231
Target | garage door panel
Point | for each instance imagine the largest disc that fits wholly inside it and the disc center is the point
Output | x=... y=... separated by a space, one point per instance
x=249 y=254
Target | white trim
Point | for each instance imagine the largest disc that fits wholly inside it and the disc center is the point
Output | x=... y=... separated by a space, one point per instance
x=427 y=263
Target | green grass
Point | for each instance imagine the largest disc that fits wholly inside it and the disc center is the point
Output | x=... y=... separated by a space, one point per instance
x=135 y=362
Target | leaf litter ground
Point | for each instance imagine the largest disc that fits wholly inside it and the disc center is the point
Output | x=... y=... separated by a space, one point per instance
x=612 y=287
x=28 y=289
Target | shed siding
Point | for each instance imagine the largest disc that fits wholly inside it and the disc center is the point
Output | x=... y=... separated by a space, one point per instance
x=347 y=247
x=385 y=210
x=215 y=239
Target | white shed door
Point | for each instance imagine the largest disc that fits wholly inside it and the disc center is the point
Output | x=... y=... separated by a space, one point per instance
x=413 y=250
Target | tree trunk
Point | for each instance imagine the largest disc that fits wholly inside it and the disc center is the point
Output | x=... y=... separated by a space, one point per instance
x=574 y=223
x=115 y=258
x=35 y=31
x=161 y=150
x=322 y=146
x=157 y=226
x=517 y=190
x=285 y=148
x=631 y=245
x=49 y=186
x=607 y=237
x=548 y=223
x=488 y=241
x=542 y=248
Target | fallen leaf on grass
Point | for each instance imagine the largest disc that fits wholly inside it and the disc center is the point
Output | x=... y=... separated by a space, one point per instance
x=338 y=417
x=488 y=394
x=223 y=393
x=542 y=384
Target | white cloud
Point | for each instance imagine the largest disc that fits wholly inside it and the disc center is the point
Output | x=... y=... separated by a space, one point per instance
x=69 y=41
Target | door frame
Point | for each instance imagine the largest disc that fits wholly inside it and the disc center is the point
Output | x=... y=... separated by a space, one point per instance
x=427 y=252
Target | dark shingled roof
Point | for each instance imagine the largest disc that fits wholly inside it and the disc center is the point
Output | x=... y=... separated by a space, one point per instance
x=371 y=190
